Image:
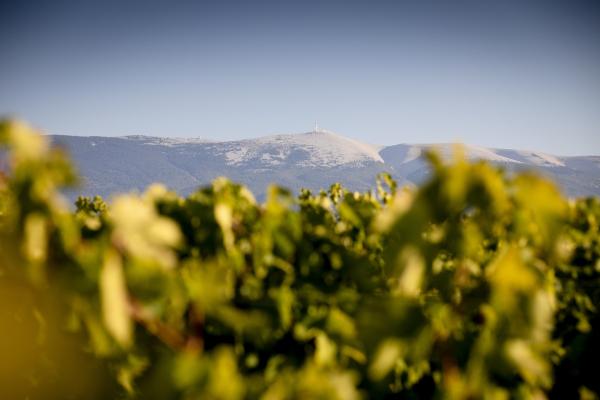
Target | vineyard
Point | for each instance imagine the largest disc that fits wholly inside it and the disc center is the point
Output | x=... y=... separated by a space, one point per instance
x=476 y=285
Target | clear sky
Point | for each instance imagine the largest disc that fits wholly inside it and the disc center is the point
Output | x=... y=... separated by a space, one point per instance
x=516 y=74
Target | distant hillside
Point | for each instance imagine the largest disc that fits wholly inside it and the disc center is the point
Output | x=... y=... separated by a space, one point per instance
x=313 y=160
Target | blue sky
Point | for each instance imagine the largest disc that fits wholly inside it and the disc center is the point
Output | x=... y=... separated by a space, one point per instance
x=516 y=74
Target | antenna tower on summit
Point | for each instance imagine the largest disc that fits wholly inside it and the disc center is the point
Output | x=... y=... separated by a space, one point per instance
x=316 y=126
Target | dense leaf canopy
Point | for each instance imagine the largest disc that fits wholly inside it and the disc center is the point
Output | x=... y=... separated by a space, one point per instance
x=475 y=285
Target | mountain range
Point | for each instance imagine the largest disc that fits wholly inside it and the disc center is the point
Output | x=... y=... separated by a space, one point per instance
x=311 y=160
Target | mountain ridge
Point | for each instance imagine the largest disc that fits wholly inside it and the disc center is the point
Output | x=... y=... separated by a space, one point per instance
x=311 y=159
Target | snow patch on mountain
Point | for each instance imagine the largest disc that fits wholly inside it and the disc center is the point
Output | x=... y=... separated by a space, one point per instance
x=472 y=152
x=166 y=141
x=541 y=159
x=319 y=148
x=312 y=149
x=447 y=151
x=413 y=153
x=236 y=156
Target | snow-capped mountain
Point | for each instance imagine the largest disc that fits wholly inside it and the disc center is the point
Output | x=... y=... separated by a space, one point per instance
x=313 y=160
x=318 y=148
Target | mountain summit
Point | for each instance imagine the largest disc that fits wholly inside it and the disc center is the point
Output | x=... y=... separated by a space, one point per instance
x=312 y=149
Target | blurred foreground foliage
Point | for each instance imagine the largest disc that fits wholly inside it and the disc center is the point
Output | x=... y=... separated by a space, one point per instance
x=475 y=285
